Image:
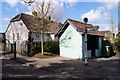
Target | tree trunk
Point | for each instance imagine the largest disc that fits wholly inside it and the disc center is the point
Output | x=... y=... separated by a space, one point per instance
x=42 y=50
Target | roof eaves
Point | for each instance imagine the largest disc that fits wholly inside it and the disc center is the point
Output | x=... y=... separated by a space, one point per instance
x=95 y=34
x=60 y=30
x=7 y=27
x=16 y=18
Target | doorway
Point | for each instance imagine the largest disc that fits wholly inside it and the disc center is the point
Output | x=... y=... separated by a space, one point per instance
x=92 y=44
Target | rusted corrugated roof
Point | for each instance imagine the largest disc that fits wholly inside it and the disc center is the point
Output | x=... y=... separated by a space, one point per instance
x=79 y=24
x=96 y=34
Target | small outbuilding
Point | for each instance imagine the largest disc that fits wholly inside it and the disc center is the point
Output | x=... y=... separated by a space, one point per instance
x=72 y=40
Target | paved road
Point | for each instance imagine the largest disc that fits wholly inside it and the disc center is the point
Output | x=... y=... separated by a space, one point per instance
x=13 y=69
x=98 y=68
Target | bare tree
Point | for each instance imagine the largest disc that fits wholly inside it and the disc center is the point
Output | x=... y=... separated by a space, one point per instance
x=119 y=27
x=44 y=11
x=65 y=41
x=118 y=17
x=112 y=23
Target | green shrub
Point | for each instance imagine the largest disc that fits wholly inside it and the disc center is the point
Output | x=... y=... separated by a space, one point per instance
x=110 y=48
x=55 y=47
x=34 y=48
x=106 y=43
x=51 y=46
x=117 y=45
x=47 y=46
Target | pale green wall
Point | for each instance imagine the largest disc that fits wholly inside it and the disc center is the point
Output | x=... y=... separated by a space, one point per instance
x=74 y=47
x=99 y=51
x=89 y=53
x=71 y=47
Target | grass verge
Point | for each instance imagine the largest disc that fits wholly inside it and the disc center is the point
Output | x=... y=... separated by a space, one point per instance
x=46 y=55
x=117 y=55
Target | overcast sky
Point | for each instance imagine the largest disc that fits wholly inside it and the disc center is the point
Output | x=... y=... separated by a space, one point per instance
x=98 y=12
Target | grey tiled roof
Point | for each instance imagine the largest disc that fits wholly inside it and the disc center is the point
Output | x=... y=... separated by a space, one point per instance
x=32 y=25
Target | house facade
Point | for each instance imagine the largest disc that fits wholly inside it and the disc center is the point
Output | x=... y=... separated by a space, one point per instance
x=72 y=41
x=23 y=30
x=108 y=35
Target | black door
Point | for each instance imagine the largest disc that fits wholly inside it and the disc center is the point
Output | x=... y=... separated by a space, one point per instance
x=93 y=53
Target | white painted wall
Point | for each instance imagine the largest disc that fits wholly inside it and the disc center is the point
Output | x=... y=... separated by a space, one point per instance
x=71 y=44
x=15 y=28
x=52 y=36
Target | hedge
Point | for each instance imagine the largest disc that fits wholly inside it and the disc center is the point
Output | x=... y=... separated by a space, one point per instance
x=117 y=45
x=49 y=46
x=104 y=48
x=34 y=48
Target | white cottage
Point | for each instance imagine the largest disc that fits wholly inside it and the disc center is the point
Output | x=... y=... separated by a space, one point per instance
x=23 y=28
x=72 y=42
